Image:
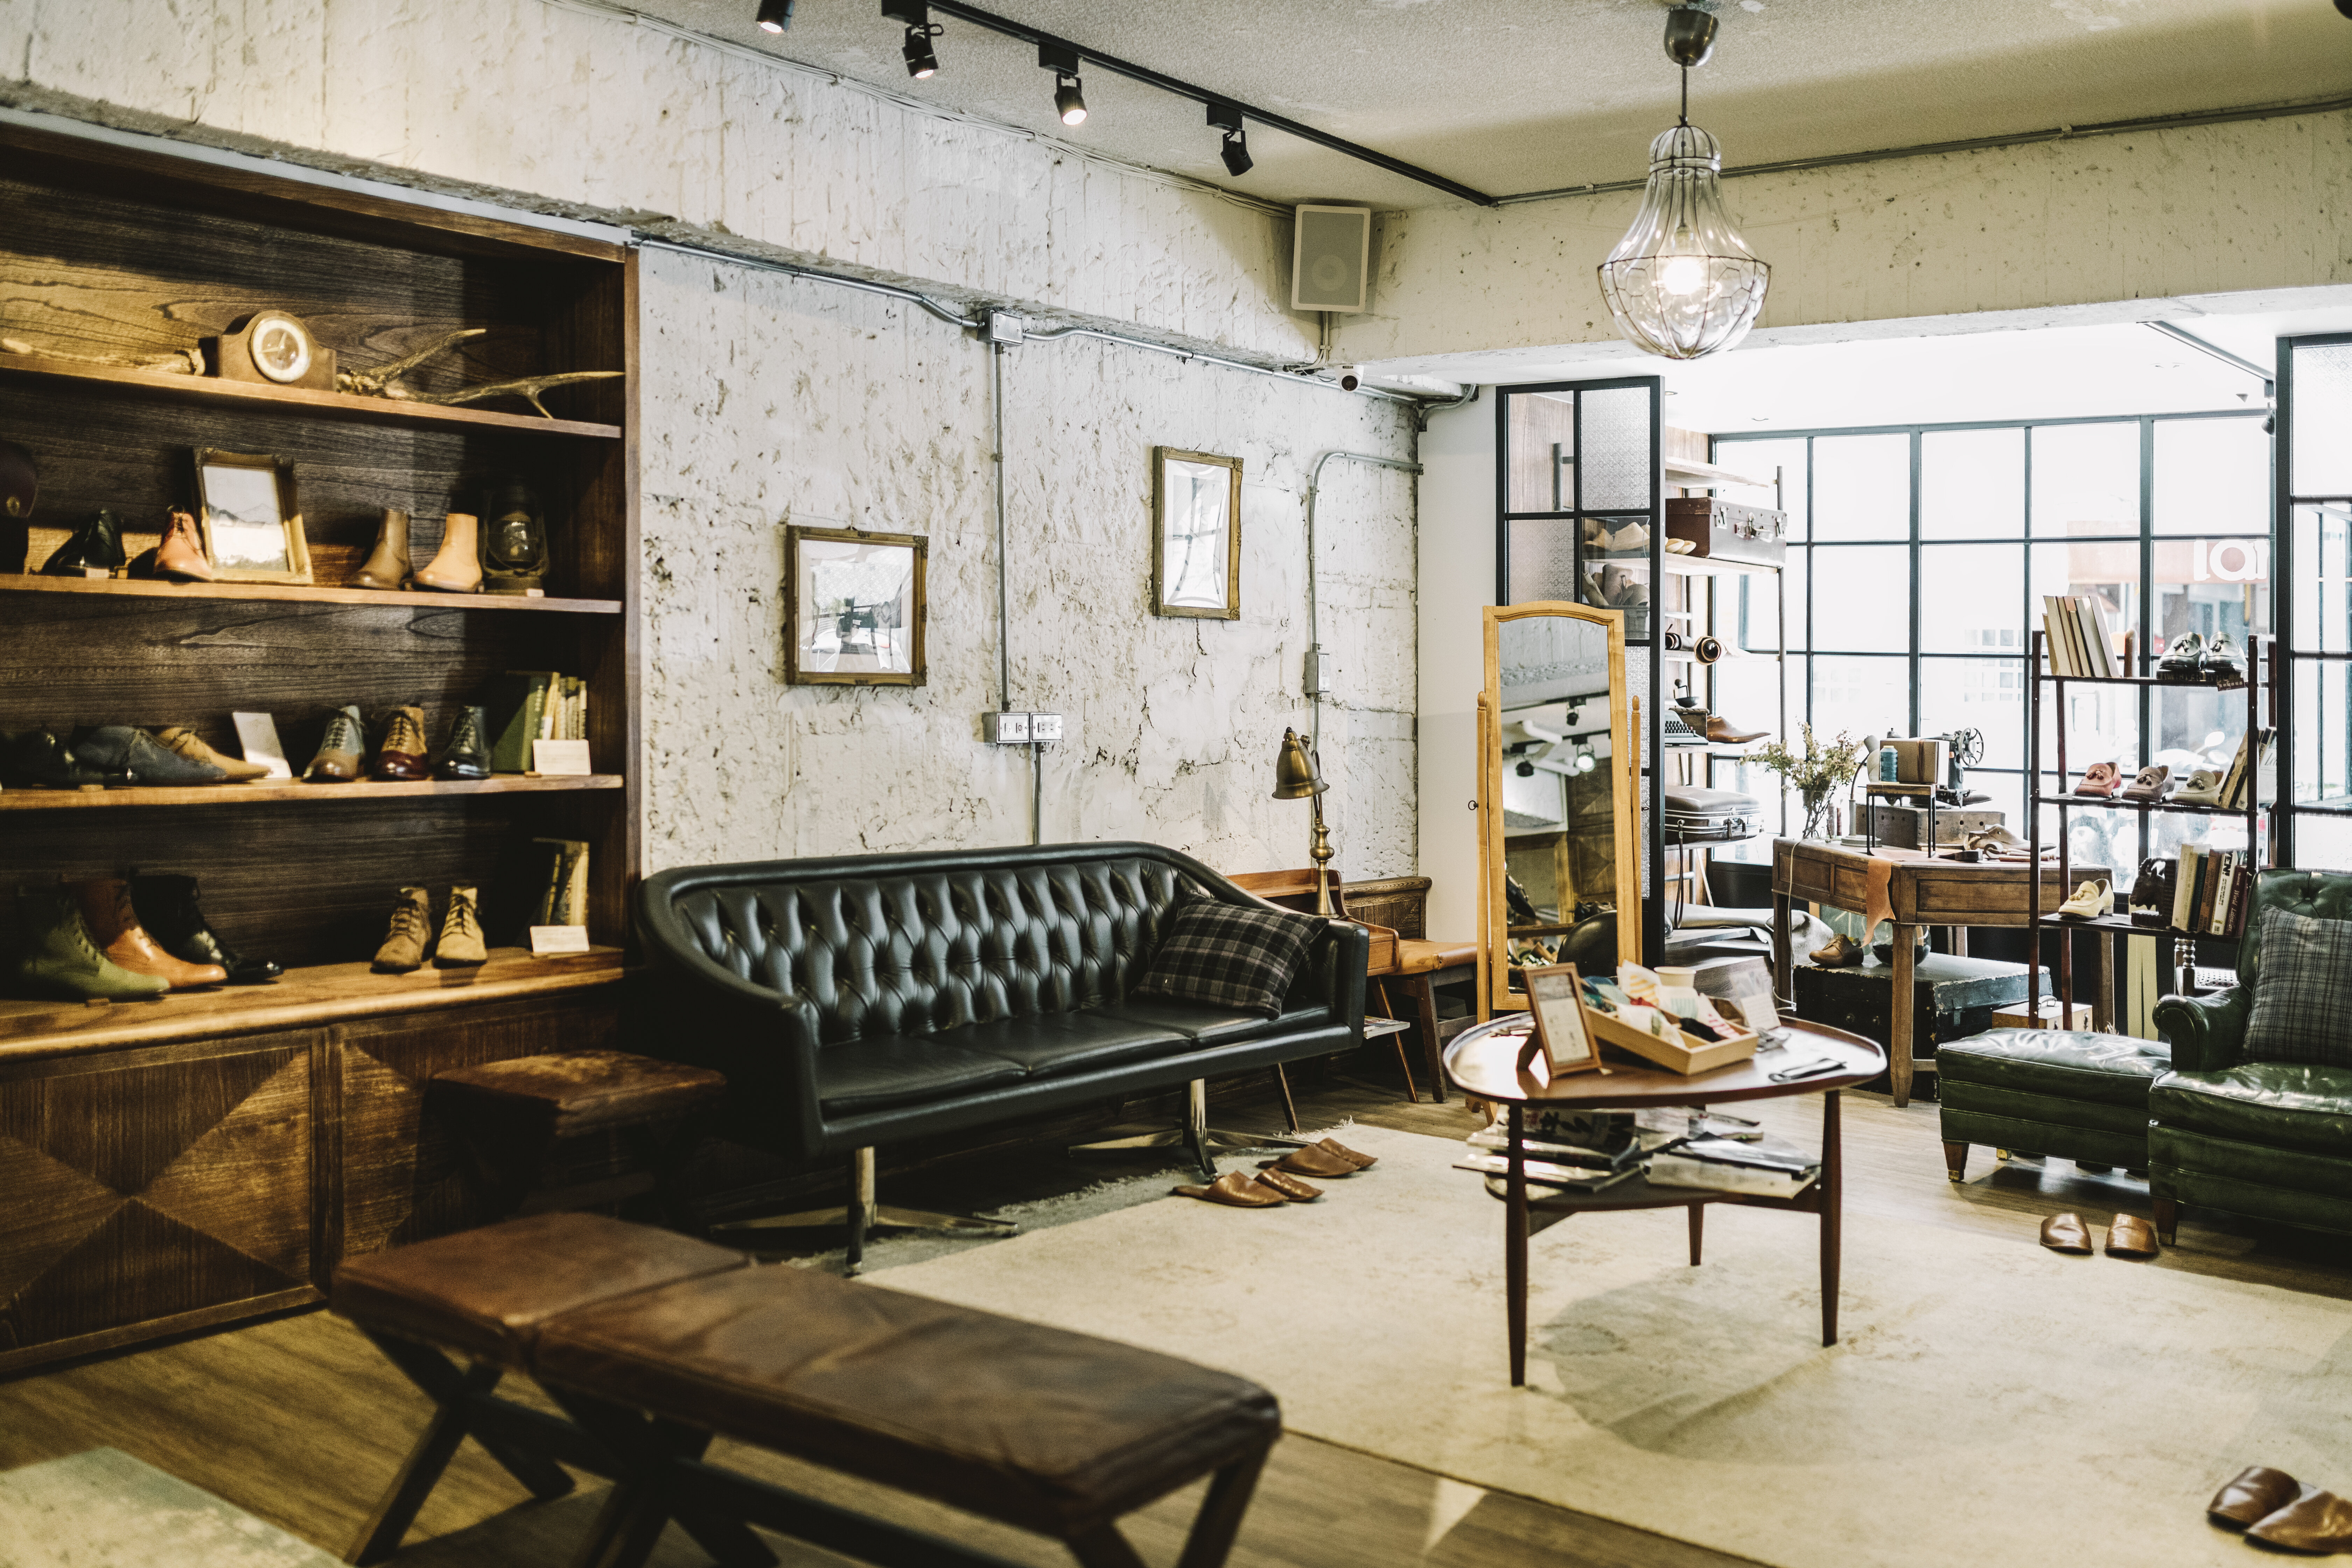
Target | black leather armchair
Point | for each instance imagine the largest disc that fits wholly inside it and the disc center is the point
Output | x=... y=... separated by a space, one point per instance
x=862 y=1000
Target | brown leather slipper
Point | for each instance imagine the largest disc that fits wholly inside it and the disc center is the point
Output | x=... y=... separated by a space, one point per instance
x=1236 y=1189
x=1290 y=1186
x=2251 y=1495
x=2130 y=1236
x=1362 y=1161
x=2316 y=1522
x=1311 y=1160
x=2065 y=1233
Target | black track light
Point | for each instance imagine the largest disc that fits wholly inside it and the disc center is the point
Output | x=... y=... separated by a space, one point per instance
x=922 y=63
x=1069 y=97
x=1227 y=118
x=775 y=15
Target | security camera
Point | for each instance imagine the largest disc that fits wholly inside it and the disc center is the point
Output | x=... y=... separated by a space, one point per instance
x=1350 y=378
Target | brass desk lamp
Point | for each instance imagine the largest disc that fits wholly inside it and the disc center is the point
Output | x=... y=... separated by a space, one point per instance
x=1296 y=774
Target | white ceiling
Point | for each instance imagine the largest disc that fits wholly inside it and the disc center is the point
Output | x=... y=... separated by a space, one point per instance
x=1510 y=96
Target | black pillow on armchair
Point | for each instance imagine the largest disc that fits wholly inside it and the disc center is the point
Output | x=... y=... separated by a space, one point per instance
x=2303 y=992
x=1230 y=955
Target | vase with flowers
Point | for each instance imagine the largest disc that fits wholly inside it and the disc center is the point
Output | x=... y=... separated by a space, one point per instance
x=1815 y=773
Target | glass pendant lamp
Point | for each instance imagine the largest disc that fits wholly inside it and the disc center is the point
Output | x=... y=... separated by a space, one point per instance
x=1681 y=283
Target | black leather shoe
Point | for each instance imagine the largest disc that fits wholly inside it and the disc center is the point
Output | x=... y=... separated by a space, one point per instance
x=96 y=546
x=40 y=759
x=168 y=910
x=467 y=754
x=141 y=759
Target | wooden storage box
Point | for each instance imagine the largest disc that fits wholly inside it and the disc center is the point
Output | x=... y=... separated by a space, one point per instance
x=1724 y=532
x=1682 y=1054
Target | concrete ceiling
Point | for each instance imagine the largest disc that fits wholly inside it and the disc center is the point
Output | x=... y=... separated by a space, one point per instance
x=1510 y=96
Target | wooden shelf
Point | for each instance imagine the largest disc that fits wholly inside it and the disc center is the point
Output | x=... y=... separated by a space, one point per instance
x=1713 y=566
x=32 y=368
x=324 y=993
x=2237 y=685
x=2124 y=924
x=270 y=790
x=279 y=593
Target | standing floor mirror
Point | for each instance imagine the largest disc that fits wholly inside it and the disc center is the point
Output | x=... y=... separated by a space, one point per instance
x=1559 y=771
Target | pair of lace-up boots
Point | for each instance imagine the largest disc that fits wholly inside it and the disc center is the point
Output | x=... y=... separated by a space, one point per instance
x=411 y=937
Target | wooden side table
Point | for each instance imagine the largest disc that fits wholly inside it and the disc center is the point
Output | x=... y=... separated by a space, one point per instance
x=1485 y=1062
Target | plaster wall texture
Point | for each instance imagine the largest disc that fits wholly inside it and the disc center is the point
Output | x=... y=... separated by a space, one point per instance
x=576 y=109
x=770 y=401
x=1456 y=582
x=2150 y=217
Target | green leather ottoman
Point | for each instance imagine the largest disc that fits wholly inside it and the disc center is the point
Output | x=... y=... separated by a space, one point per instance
x=2268 y=1138
x=2082 y=1097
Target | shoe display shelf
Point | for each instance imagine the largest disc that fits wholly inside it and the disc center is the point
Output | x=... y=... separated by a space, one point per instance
x=210 y=1155
x=2260 y=691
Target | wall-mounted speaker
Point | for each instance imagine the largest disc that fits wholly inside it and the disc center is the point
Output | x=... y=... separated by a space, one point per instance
x=1330 y=260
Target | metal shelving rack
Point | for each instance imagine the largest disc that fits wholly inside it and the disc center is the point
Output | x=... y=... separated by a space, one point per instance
x=2261 y=680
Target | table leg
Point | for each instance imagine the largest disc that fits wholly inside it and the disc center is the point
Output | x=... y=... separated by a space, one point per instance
x=1832 y=1197
x=1697 y=1229
x=1959 y=942
x=1515 y=1247
x=1899 y=1020
x=1784 y=980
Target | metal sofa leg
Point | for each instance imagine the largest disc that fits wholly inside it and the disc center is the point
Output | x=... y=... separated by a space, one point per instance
x=1196 y=1137
x=864 y=1216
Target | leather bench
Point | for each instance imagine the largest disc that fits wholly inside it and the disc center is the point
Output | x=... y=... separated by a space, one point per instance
x=654 y=1344
x=2079 y=1096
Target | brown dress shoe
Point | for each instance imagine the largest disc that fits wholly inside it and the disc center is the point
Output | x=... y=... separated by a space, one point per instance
x=400 y=756
x=1841 y=953
x=114 y=928
x=1333 y=1146
x=179 y=738
x=2317 y=1521
x=1311 y=1160
x=2130 y=1236
x=2066 y=1232
x=342 y=752
x=2251 y=1495
x=1290 y=1186
x=1235 y=1189
x=412 y=930
x=181 y=555
x=461 y=933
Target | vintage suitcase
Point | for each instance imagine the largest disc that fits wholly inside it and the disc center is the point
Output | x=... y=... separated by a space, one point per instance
x=1751 y=533
x=1951 y=998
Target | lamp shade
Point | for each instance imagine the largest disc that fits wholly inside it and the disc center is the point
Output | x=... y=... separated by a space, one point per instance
x=1295 y=778
x=1681 y=283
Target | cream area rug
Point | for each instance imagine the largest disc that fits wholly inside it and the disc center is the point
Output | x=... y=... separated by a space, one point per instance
x=1988 y=1402
x=103 y=1509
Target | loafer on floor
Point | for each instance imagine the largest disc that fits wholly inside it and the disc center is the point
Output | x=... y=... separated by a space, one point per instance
x=1333 y=1146
x=2316 y=1522
x=2130 y=1236
x=2251 y=1495
x=1311 y=1160
x=1235 y=1189
x=2066 y=1232
x=1290 y=1186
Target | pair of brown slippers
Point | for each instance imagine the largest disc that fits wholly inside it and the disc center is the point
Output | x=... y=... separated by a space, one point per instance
x=2274 y=1507
x=2129 y=1236
x=1278 y=1181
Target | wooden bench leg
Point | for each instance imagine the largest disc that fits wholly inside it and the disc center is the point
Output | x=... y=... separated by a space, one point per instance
x=1425 y=993
x=1220 y=1518
x=1104 y=1547
x=633 y=1517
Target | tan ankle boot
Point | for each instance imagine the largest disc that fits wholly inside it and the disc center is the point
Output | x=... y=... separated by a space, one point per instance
x=461 y=932
x=387 y=565
x=456 y=566
x=412 y=928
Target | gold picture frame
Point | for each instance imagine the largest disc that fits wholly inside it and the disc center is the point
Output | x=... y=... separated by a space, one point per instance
x=855 y=612
x=252 y=527
x=1201 y=576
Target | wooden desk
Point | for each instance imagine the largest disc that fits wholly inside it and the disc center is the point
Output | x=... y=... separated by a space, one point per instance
x=1922 y=892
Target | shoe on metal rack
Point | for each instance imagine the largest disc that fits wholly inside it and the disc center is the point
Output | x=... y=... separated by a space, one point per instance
x=2220 y=665
x=2203 y=787
x=2154 y=781
x=2181 y=660
x=2091 y=901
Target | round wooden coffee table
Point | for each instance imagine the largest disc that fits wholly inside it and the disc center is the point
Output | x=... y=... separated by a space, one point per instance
x=1485 y=1061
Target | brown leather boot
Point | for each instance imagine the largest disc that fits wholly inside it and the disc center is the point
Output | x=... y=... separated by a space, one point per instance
x=412 y=930
x=387 y=565
x=456 y=566
x=461 y=932
x=185 y=742
x=114 y=928
x=400 y=756
x=181 y=555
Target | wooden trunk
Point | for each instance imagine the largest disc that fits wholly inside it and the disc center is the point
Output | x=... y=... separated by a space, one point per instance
x=1951 y=998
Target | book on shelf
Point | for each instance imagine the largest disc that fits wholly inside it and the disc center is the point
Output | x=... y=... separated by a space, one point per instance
x=2079 y=637
x=516 y=706
x=2246 y=766
x=563 y=892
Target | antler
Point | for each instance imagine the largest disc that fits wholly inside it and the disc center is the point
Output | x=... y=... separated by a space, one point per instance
x=377 y=382
x=528 y=387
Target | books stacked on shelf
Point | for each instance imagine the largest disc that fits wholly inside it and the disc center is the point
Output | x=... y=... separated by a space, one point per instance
x=1583 y=1151
x=1763 y=1165
x=2209 y=890
x=2075 y=629
x=2246 y=767
x=524 y=706
x=563 y=887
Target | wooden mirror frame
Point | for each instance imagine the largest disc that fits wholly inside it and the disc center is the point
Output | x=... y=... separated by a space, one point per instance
x=1495 y=994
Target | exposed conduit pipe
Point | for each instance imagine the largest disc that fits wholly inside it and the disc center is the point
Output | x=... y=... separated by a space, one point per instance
x=1314 y=647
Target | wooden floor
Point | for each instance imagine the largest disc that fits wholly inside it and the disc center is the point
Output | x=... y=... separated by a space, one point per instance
x=300 y=1421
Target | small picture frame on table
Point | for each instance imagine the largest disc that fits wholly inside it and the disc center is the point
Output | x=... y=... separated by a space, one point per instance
x=253 y=530
x=1555 y=1000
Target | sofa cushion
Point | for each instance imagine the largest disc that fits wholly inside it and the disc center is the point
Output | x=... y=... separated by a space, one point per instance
x=1230 y=955
x=2303 y=994
x=2111 y=1069
x=904 y=1069
x=1210 y=1025
x=1044 y=1044
x=2287 y=1105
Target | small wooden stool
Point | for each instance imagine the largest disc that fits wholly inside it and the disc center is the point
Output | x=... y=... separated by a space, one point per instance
x=516 y=1113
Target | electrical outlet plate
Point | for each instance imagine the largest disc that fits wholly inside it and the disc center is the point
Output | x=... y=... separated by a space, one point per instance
x=1004 y=729
x=1005 y=328
x=1044 y=728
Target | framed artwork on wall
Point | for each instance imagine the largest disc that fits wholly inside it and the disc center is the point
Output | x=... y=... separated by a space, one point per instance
x=253 y=530
x=1196 y=534
x=853 y=608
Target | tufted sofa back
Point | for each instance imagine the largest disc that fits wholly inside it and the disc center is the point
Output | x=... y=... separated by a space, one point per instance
x=914 y=944
x=2321 y=895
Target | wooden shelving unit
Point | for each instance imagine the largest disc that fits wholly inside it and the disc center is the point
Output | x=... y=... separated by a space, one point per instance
x=284 y=593
x=268 y=792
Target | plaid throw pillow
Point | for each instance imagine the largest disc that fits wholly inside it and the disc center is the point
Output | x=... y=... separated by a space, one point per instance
x=1231 y=955
x=2303 y=994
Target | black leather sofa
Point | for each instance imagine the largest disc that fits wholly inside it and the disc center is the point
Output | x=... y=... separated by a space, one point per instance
x=862 y=1000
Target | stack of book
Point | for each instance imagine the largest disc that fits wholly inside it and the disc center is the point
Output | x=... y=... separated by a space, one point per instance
x=1762 y=1166
x=2245 y=768
x=2209 y=890
x=563 y=887
x=1584 y=1153
x=524 y=706
x=2075 y=629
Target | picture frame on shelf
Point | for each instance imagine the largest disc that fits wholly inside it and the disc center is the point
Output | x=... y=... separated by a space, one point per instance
x=1196 y=534
x=855 y=607
x=252 y=527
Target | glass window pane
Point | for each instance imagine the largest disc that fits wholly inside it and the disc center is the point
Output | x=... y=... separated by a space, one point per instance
x=1746 y=692
x=1758 y=460
x=1756 y=603
x=2110 y=570
x=2196 y=727
x=2102 y=726
x=2212 y=476
x=1987 y=694
x=1541 y=429
x=2085 y=478
x=1973 y=484
x=2323 y=733
x=2324 y=843
x=1861 y=696
x=2212 y=587
x=1974 y=600
x=2323 y=553
x=2323 y=413
x=1620 y=470
x=1861 y=487
x=1861 y=598
x=1543 y=563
